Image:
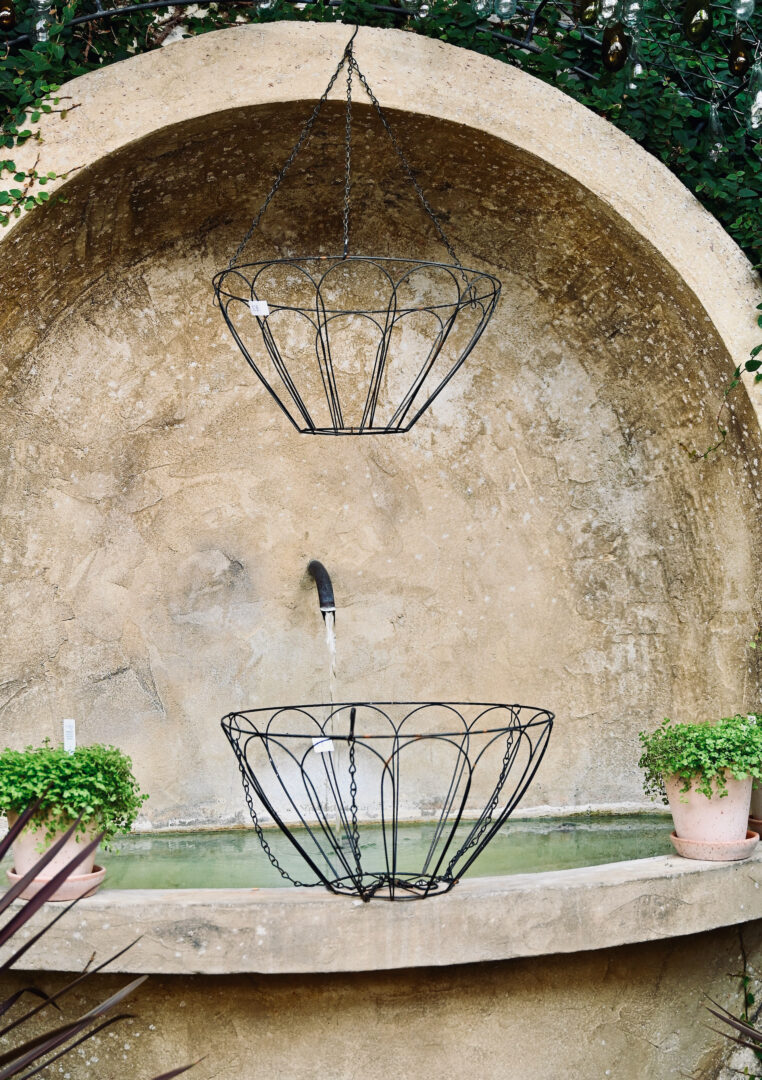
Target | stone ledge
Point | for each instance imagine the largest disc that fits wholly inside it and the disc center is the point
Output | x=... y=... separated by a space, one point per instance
x=285 y=931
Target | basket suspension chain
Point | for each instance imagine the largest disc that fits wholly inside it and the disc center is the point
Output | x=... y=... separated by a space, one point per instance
x=303 y=137
x=404 y=162
x=347 y=58
x=353 y=789
x=258 y=829
x=348 y=146
x=490 y=808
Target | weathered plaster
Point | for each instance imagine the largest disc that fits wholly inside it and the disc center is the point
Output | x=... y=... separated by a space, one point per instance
x=634 y=1013
x=292 y=61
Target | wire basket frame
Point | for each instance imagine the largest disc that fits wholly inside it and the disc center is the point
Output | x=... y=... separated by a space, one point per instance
x=338 y=365
x=354 y=344
x=333 y=777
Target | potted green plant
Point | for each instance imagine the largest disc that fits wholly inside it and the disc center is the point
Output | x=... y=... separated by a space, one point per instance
x=92 y=783
x=704 y=772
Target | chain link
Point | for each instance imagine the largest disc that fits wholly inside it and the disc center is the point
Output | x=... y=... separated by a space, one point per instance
x=490 y=809
x=348 y=59
x=258 y=828
x=348 y=147
x=353 y=790
x=304 y=136
x=404 y=162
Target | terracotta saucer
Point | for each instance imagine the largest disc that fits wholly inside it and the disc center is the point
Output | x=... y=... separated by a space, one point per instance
x=755 y=824
x=715 y=850
x=75 y=887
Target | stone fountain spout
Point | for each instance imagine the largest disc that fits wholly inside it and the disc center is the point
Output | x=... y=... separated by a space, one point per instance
x=322 y=579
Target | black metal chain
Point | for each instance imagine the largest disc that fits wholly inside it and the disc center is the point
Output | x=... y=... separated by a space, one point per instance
x=490 y=808
x=303 y=137
x=353 y=788
x=347 y=58
x=260 y=834
x=404 y=162
x=348 y=145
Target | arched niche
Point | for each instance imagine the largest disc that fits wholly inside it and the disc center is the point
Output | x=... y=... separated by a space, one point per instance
x=543 y=535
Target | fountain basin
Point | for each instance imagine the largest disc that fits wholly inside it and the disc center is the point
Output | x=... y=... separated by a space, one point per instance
x=281 y=931
x=233 y=858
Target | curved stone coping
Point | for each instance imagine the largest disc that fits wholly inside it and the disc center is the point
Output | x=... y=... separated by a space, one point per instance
x=286 y=931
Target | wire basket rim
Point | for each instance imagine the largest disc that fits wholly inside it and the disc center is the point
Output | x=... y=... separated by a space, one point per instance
x=464 y=298
x=333 y=848
x=540 y=717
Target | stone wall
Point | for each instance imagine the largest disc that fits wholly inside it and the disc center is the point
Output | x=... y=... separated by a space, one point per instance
x=633 y=1013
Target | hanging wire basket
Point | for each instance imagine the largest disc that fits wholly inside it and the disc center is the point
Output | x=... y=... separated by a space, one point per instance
x=354 y=344
x=341 y=782
x=354 y=369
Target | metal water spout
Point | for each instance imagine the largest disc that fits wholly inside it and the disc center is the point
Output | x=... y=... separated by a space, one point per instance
x=322 y=579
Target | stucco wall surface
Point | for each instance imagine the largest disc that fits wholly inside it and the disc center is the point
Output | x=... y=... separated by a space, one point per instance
x=543 y=535
x=635 y=1013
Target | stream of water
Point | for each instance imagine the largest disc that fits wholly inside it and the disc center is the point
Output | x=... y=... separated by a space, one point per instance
x=330 y=641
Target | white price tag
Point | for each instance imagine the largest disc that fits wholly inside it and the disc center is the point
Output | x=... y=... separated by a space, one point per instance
x=259 y=308
x=70 y=735
x=323 y=746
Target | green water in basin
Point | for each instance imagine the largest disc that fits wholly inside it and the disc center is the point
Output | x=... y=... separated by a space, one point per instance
x=229 y=859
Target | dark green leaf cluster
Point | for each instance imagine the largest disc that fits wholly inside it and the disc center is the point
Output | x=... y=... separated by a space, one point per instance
x=700 y=754
x=672 y=127
x=93 y=781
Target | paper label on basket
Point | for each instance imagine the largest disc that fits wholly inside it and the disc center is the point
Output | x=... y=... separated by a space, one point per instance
x=259 y=308
x=70 y=735
x=323 y=746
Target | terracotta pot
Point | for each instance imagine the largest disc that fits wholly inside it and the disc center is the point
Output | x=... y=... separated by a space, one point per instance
x=74 y=888
x=26 y=853
x=711 y=851
x=756 y=800
x=716 y=820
